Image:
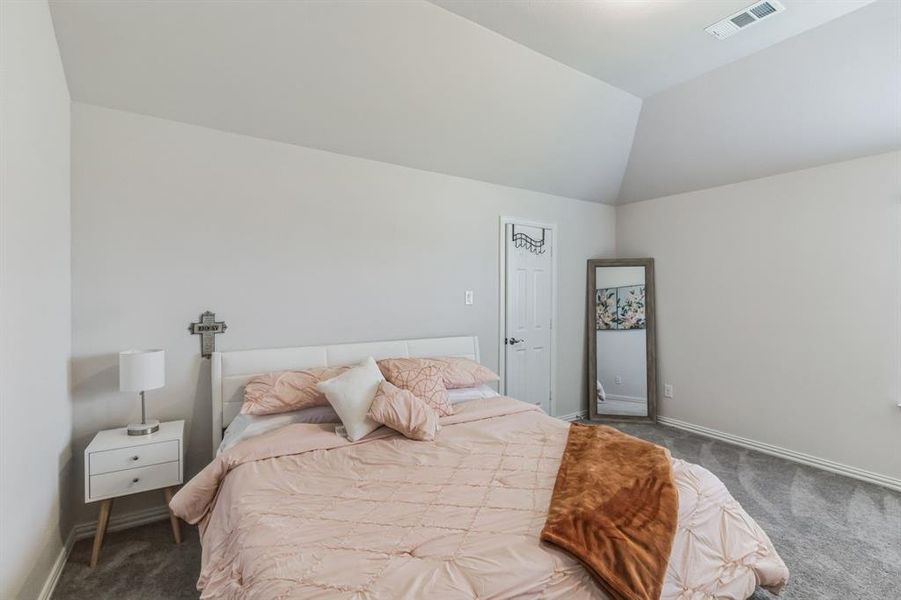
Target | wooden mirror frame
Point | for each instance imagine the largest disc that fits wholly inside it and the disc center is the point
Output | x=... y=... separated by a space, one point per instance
x=650 y=338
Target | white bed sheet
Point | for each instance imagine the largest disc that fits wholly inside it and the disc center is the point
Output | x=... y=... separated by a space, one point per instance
x=243 y=426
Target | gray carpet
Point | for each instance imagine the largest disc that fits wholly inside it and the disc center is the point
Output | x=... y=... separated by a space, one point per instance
x=142 y=563
x=840 y=538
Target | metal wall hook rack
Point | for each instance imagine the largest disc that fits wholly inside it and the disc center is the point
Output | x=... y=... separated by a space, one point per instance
x=521 y=240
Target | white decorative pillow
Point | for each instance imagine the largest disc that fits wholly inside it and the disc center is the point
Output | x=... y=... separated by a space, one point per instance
x=351 y=395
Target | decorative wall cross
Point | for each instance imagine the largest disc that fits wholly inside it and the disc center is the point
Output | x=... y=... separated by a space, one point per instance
x=207 y=327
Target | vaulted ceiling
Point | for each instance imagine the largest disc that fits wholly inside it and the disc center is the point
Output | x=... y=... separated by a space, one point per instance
x=538 y=95
x=643 y=46
x=401 y=82
x=830 y=94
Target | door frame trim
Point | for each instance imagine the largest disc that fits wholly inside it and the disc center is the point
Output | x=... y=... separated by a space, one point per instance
x=502 y=302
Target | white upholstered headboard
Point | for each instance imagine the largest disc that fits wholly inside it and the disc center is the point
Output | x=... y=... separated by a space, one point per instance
x=231 y=370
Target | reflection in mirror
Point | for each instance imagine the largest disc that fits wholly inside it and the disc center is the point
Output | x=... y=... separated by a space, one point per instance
x=622 y=386
x=620 y=378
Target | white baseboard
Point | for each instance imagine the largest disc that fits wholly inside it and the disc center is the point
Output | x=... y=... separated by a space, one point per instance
x=575 y=416
x=619 y=398
x=58 y=565
x=125 y=521
x=87 y=530
x=799 y=457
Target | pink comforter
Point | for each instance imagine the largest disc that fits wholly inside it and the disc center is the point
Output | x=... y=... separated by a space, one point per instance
x=302 y=513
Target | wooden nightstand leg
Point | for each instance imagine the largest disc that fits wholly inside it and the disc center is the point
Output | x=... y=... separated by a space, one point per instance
x=105 y=507
x=173 y=520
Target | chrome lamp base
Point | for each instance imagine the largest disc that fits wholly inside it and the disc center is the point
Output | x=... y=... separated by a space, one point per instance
x=146 y=426
x=143 y=428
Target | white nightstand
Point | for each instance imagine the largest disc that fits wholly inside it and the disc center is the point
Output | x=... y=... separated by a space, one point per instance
x=117 y=464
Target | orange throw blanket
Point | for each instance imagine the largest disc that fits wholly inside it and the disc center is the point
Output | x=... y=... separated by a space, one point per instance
x=615 y=507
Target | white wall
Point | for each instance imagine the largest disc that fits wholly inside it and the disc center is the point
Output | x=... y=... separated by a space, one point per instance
x=35 y=310
x=290 y=246
x=827 y=95
x=778 y=307
x=623 y=354
x=610 y=277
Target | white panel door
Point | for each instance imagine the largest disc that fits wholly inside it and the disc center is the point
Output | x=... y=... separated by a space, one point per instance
x=528 y=313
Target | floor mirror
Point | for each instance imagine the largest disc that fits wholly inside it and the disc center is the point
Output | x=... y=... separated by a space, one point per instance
x=622 y=357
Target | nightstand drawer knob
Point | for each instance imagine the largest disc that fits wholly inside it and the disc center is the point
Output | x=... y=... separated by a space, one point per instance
x=134 y=457
x=136 y=479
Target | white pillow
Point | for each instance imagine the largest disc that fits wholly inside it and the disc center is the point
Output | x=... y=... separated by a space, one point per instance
x=351 y=395
x=248 y=426
x=471 y=393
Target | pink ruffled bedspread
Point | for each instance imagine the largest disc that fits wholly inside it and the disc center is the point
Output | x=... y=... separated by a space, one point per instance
x=302 y=513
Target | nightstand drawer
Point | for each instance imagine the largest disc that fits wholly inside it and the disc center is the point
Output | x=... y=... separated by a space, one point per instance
x=130 y=458
x=132 y=481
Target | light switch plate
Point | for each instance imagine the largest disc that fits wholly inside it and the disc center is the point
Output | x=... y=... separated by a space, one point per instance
x=668 y=390
x=467 y=297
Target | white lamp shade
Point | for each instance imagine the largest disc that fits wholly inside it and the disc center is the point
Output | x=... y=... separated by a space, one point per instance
x=141 y=370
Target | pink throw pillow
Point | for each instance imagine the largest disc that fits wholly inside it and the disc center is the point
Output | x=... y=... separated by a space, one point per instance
x=402 y=411
x=459 y=372
x=422 y=377
x=284 y=391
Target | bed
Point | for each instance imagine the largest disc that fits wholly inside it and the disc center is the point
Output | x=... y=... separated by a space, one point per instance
x=302 y=513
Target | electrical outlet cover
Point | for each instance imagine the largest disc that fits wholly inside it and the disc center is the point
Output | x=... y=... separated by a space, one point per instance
x=668 y=390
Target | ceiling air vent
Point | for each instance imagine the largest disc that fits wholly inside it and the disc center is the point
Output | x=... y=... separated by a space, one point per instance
x=745 y=18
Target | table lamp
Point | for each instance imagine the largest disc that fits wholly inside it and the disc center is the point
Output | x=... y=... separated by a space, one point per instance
x=141 y=370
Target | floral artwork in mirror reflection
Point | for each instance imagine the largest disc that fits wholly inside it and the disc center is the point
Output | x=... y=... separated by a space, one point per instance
x=620 y=308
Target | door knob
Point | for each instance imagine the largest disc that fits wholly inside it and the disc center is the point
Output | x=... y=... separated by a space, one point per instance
x=515 y=341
